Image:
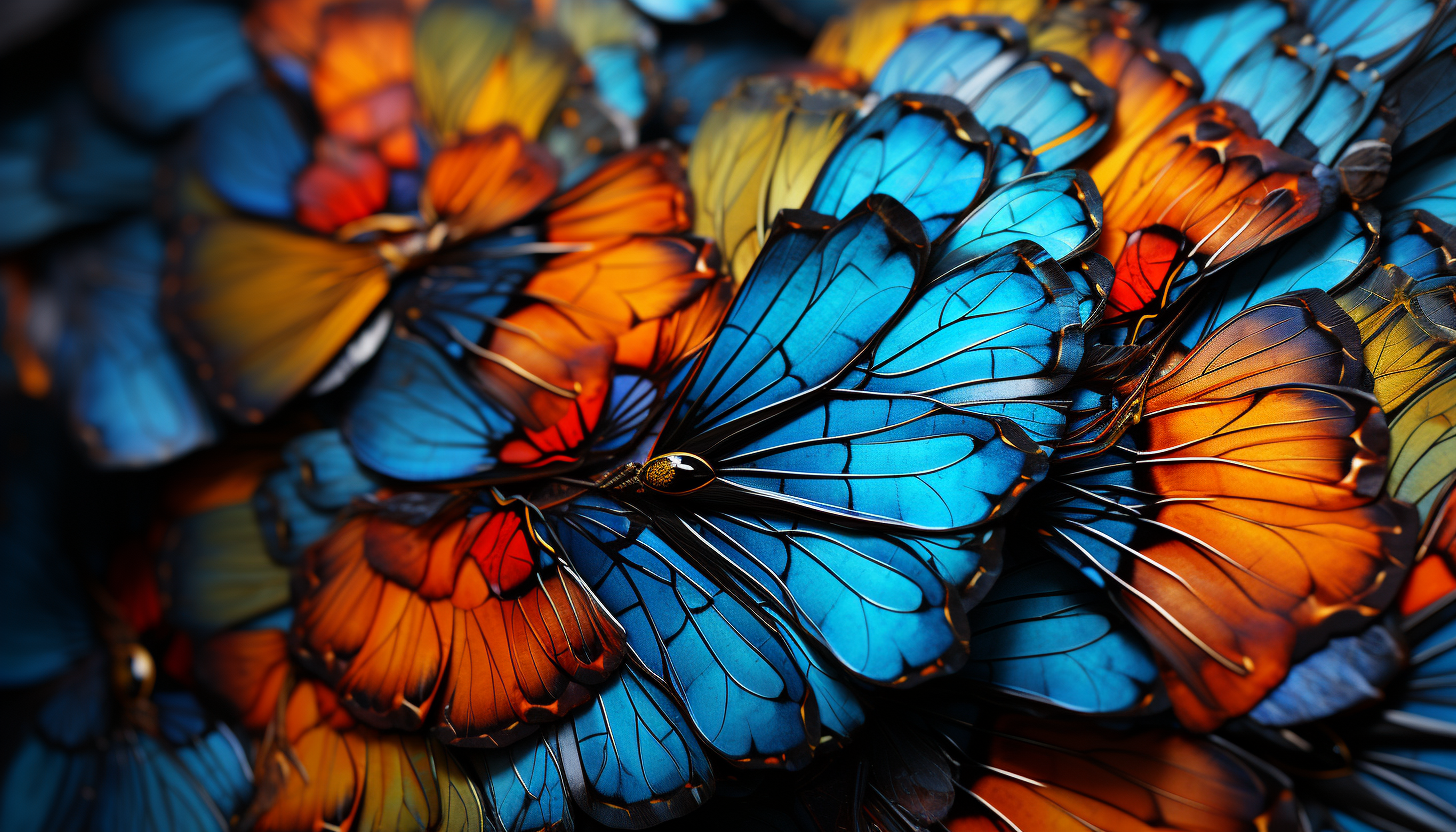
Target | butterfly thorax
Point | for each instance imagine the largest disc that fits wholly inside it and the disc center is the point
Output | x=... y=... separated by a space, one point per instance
x=672 y=473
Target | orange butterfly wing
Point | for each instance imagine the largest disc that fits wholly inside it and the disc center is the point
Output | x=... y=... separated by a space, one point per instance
x=640 y=192
x=363 y=72
x=247 y=669
x=1060 y=776
x=1205 y=190
x=1271 y=531
x=318 y=781
x=486 y=182
x=550 y=363
x=262 y=310
x=1151 y=85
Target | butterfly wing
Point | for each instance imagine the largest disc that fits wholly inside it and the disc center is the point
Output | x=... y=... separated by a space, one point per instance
x=813 y=301
x=478 y=65
x=523 y=785
x=630 y=758
x=1173 y=538
x=1200 y=192
x=1341 y=108
x=873 y=602
x=927 y=152
x=155 y=66
x=1061 y=776
x=250 y=150
x=487 y=181
x=1276 y=81
x=758 y=152
x=960 y=57
x=1216 y=39
x=1331 y=255
x=734 y=675
x=130 y=399
x=1384 y=35
x=1429 y=186
x=261 y=310
x=217 y=572
x=1053 y=100
x=1060 y=211
x=1151 y=84
x=1046 y=633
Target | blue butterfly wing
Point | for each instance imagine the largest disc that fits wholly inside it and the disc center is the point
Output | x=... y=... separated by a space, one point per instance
x=327 y=473
x=1382 y=34
x=726 y=664
x=1423 y=98
x=813 y=300
x=910 y=463
x=1405 y=766
x=960 y=57
x=618 y=76
x=1277 y=80
x=145 y=787
x=840 y=709
x=89 y=164
x=41 y=784
x=1060 y=211
x=1430 y=186
x=131 y=399
x=297 y=505
x=697 y=73
x=157 y=64
x=994 y=336
x=1344 y=105
x=416 y=418
x=1330 y=255
x=872 y=602
x=1012 y=159
x=250 y=150
x=681 y=11
x=629 y=758
x=1418 y=243
x=1045 y=633
x=1055 y=102
x=1216 y=36
x=288 y=522
x=927 y=152
x=1347 y=672
x=216 y=763
x=522 y=785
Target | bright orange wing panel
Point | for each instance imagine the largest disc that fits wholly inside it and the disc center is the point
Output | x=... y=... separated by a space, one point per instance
x=1205 y=182
x=1151 y=85
x=361 y=80
x=515 y=664
x=644 y=191
x=1270 y=531
x=247 y=669
x=1058 y=776
x=487 y=182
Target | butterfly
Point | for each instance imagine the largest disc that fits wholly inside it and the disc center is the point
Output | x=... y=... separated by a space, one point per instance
x=115 y=743
x=1164 y=233
x=393 y=205
x=130 y=398
x=1168 y=517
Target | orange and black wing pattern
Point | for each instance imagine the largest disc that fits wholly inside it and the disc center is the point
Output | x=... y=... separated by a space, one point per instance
x=1055 y=775
x=1242 y=522
x=1200 y=192
x=458 y=621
